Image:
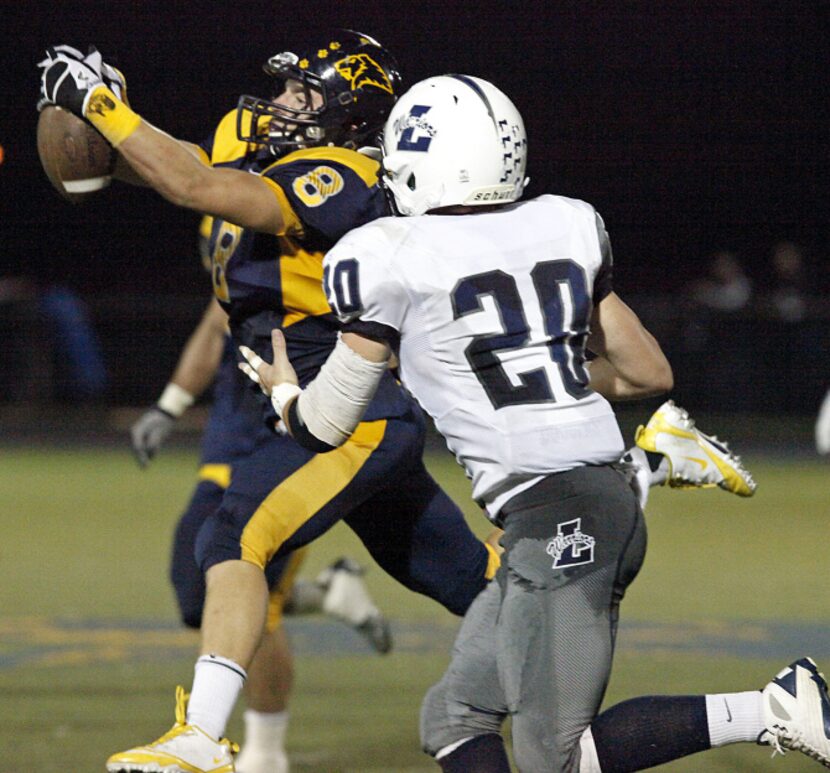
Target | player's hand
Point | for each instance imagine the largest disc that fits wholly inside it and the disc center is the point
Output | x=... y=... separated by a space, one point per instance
x=112 y=76
x=67 y=80
x=268 y=375
x=823 y=427
x=149 y=433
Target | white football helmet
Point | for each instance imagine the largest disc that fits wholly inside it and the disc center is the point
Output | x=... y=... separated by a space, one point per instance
x=453 y=139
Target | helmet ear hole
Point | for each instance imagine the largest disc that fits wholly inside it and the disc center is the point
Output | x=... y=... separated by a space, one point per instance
x=410 y=183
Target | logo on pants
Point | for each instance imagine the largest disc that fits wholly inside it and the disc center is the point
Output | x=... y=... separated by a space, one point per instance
x=571 y=546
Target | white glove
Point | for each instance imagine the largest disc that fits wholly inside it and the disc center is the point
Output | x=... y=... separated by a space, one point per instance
x=149 y=433
x=67 y=80
x=112 y=76
x=823 y=427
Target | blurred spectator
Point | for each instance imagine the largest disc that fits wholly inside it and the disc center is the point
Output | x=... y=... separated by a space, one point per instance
x=790 y=335
x=713 y=323
x=51 y=349
x=789 y=290
x=727 y=288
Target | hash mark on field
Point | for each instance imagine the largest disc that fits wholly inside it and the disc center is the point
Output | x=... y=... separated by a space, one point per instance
x=44 y=642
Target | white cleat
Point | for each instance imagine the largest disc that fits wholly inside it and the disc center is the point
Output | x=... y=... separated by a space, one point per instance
x=695 y=460
x=796 y=711
x=347 y=598
x=183 y=749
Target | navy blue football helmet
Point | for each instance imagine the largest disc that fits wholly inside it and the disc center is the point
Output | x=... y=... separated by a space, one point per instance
x=356 y=79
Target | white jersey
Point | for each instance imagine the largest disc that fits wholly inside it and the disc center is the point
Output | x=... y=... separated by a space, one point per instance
x=491 y=314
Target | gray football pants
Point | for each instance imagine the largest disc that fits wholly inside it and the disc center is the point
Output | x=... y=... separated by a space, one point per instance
x=537 y=643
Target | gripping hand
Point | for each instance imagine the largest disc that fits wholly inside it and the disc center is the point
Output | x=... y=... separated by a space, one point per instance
x=149 y=433
x=112 y=76
x=68 y=79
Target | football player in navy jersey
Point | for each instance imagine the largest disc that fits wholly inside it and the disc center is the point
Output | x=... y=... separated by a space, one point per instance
x=232 y=428
x=270 y=231
x=310 y=186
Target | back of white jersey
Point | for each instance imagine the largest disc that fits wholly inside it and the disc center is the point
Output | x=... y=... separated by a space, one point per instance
x=492 y=313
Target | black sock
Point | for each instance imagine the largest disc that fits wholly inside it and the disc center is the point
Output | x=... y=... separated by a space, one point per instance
x=482 y=754
x=648 y=731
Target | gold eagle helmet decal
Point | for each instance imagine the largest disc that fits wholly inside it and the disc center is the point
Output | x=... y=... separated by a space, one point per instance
x=361 y=71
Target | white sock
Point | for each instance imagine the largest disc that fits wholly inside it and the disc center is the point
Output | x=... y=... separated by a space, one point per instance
x=734 y=717
x=636 y=457
x=216 y=686
x=443 y=752
x=265 y=732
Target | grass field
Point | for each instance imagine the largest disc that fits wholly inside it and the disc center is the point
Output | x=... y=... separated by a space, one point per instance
x=90 y=650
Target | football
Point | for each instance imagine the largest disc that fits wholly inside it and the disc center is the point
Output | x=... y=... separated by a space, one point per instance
x=76 y=158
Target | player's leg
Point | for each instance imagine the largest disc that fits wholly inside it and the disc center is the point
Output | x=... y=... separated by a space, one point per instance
x=267 y=692
x=791 y=712
x=232 y=626
x=270 y=680
x=339 y=591
x=281 y=498
x=185 y=574
x=462 y=715
x=572 y=543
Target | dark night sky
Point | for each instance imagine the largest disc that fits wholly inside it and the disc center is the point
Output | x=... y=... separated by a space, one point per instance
x=688 y=125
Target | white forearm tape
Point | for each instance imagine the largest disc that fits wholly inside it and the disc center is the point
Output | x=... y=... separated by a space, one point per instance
x=332 y=405
x=175 y=400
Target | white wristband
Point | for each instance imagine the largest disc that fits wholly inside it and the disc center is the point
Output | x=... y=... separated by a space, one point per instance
x=175 y=400
x=282 y=394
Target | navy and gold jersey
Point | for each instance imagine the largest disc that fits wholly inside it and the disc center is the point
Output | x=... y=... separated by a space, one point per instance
x=265 y=281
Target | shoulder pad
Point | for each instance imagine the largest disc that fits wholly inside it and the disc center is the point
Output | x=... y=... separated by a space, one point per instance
x=226 y=145
x=366 y=168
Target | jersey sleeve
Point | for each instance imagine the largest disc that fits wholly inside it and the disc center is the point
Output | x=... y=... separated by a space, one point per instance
x=362 y=289
x=603 y=284
x=329 y=193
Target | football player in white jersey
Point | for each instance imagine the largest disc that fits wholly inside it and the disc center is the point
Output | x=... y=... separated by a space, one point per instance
x=491 y=305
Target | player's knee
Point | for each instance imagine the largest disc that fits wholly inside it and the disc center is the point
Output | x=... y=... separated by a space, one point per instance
x=539 y=744
x=434 y=720
x=445 y=722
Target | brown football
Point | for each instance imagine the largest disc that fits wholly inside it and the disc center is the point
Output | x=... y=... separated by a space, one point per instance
x=76 y=158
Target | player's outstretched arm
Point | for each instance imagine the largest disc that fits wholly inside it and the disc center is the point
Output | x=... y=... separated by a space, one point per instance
x=324 y=415
x=631 y=365
x=163 y=162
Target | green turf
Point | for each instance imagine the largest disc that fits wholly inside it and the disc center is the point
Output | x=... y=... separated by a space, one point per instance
x=85 y=537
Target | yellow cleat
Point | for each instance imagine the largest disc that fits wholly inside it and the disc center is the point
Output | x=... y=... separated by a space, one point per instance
x=695 y=460
x=183 y=749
